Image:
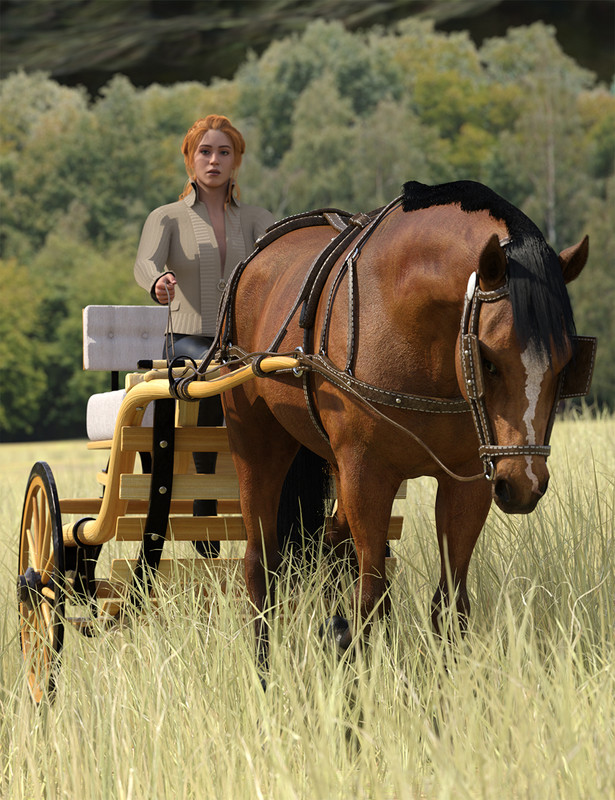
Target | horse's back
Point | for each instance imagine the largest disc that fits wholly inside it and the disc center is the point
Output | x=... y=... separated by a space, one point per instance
x=271 y=282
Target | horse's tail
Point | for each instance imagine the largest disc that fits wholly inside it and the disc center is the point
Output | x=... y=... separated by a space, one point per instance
x=306 y=499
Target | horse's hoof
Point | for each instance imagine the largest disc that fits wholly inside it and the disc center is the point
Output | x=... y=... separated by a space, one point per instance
x=338 y=629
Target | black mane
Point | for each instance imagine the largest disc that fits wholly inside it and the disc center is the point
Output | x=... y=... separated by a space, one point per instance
x=541 y=307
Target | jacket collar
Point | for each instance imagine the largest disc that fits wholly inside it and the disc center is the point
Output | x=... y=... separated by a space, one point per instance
x=191 y=198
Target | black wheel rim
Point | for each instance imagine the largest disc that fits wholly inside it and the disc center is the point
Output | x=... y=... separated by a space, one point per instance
x=41 y=603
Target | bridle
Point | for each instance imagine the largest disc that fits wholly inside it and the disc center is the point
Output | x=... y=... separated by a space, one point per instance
x=474 y=381
x=573 y=381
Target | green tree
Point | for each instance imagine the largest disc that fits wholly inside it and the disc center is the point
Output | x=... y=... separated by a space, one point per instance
x=548 y=140
x=316 y=169
x=269 y=87
x=23 y=381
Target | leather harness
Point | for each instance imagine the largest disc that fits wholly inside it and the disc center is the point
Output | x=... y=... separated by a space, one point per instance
x=574 y=380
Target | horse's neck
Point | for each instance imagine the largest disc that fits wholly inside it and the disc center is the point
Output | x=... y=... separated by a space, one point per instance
x=411 y=304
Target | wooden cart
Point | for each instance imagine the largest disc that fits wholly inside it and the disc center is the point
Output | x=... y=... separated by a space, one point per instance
x=147 y=490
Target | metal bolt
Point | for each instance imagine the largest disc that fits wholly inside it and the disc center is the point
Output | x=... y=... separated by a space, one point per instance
x=162 y=490
x=163 y=443
x=398 y=400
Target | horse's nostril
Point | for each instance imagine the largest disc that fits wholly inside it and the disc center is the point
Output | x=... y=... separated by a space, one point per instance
x=502 y=490
x=542 y=490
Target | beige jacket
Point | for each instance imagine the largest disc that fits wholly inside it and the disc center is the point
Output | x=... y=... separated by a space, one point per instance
x=179 y=238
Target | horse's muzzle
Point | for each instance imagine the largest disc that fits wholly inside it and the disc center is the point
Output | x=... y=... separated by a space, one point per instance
x=517 y=497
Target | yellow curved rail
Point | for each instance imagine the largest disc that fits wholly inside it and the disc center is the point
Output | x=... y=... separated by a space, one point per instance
x=102 y=529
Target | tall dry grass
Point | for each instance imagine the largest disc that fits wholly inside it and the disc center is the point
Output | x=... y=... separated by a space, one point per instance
x=170 y=705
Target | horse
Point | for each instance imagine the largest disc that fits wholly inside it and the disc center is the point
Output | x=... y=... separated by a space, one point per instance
x=434 y=340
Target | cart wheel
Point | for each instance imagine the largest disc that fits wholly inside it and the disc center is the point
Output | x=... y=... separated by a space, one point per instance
x=40 y=582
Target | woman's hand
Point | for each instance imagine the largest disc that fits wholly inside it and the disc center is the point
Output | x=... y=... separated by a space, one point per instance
x=165 y=284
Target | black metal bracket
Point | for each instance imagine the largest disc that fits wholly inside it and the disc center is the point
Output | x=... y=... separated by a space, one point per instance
x=81 y=562
x=161 y=489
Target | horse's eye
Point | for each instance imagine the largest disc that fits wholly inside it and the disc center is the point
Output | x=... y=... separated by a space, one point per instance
x=490 y=367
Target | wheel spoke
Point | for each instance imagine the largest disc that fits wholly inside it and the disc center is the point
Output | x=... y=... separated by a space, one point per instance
x=37 y=641
x=36 y=514
x=32 y=548
x=48 y=629
x=46 y=552
x=47 y=569
x=49 y=594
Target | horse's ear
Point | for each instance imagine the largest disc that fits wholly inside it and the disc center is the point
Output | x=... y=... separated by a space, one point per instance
x=573 y=259
x=492 y=265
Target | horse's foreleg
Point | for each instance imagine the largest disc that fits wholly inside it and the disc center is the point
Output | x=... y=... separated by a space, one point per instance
x=260 y=565
x=338 y=538
x=365 y=501
x=263 y=452
x=461 y=511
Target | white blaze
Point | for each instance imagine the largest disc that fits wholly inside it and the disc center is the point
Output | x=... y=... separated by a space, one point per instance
x=536 y=364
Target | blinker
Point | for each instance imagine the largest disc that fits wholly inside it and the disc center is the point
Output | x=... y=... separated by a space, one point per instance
x=577 y=376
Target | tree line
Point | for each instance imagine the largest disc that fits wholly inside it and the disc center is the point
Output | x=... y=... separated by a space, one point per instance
x=331 y=118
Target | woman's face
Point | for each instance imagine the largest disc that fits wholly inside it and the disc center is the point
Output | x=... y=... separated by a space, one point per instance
x=214 y=161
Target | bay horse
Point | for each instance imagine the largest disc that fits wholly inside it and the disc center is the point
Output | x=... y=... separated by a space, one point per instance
x=433 y=341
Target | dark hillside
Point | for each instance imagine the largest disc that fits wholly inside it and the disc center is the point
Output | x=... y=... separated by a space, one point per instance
x=88 y=41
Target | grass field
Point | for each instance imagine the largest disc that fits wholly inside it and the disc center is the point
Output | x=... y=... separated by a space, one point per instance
x=170 y=705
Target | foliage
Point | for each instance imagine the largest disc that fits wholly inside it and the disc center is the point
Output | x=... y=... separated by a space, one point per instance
x=331 y=118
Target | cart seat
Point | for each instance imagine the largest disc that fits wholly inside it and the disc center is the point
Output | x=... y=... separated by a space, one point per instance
x=115 y=339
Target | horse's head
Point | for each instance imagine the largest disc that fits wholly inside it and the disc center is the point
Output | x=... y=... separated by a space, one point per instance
x=517 y=338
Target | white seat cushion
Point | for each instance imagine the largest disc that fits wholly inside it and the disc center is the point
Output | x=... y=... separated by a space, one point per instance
x=102 y=412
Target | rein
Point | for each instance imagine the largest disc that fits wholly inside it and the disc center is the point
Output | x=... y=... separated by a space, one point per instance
x=314 y=364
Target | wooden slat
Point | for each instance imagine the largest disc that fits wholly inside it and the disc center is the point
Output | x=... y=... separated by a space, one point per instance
x=122 y=569
x=395 y=528
x=225 y=465
x=186 y=529
x=91 y=505
x=394 y=532
x=220 y=528
x=113 y=593
x=104 y=444
x=127 y=526
x=207 y=487
x=138 y=439
x=229 y=507
x=104 y=589
x=80 y=505
x=187 y=414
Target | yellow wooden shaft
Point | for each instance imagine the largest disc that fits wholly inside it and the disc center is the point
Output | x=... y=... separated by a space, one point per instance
x=131 y=412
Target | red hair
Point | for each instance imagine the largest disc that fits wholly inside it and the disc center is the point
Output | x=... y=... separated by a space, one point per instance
x=212 y=122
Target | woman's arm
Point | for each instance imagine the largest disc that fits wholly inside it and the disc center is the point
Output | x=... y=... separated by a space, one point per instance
x=150 y=268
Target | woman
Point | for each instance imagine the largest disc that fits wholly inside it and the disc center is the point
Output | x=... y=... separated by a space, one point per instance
x=188 y=250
